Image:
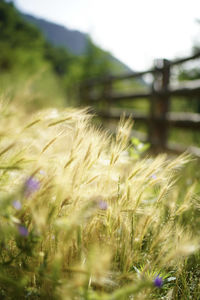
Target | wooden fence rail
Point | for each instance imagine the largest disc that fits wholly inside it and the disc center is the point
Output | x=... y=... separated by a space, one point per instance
x=159 y=118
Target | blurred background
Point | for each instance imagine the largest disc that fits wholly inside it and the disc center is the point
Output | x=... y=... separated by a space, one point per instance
x=146 y=54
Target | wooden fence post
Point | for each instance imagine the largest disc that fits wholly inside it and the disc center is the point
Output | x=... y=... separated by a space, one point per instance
x=84 y=94
x=158 y=127
x=106 y=94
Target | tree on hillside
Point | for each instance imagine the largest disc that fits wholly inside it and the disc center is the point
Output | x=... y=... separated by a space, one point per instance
x=23 y=47
x=193 y=73
x=95 y=62
x=19 y=41
x=60 y=59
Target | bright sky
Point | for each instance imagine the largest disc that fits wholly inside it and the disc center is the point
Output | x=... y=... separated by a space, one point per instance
x=135 y=31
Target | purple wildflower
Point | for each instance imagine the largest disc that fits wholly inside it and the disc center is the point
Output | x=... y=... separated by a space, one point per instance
x=153 y=176
x=31 y=186
x=158 y=281
x=23 y=231
x=17 y=204
x=102 y=205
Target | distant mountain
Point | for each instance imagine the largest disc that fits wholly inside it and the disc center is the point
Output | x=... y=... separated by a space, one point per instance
x=73 y=40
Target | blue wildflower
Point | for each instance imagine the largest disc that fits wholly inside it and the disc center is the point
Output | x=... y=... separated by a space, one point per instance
x=103 y=205
x=31 y=186
x=158 y=281
x=17 y=204
x=23 y=231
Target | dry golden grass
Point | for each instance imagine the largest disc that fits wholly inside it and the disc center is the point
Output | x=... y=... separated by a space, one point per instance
x=100 y=225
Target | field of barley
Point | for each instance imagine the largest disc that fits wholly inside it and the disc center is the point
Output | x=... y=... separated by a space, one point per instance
x=81 y=219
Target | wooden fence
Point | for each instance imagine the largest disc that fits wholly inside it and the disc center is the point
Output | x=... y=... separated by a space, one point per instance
x=159 y=118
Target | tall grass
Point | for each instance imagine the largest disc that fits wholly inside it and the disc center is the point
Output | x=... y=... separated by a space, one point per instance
x=80 y=219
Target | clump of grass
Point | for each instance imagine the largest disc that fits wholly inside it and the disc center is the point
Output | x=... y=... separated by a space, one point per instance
x=81 y=219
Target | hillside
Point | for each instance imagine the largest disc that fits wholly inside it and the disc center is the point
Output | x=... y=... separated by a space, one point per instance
x=73 y=40
x=58 y=35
